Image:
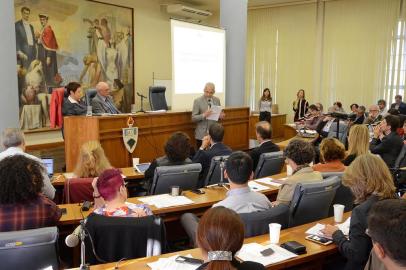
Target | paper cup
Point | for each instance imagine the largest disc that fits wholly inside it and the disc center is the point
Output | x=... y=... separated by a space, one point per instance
x=175 y=190
x=338 y=212
x=136 y=161
x=274 y=232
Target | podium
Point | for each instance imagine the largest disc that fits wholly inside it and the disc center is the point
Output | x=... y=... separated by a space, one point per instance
x=153 y=131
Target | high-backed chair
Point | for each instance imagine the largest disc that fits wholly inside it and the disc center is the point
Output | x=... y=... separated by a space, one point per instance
x=90 y=94
x=184 y=176
x=269 y=164
x=77 y=190
x=343 y=194
x=115 y=238
x=400 y=175
x=36 y=249
x=311 y=201
x=214 y=174
x=342 y=131
x=257 y=223
x=157 y=98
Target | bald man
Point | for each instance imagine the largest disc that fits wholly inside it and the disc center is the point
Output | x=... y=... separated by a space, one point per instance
x=373 y=117
x=263 y=131
x=103 y=102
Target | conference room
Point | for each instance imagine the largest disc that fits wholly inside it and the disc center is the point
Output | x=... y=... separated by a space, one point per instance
x=203 y=134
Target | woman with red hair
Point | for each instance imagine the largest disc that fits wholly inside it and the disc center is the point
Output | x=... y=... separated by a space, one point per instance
x=111 y=187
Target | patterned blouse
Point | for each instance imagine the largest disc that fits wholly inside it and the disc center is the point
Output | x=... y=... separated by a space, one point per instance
x=127 y=210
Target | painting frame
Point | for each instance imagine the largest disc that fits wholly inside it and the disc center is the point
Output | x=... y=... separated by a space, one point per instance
x=119 y=18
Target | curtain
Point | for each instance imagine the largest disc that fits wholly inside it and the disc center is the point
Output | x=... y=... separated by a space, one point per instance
x=342 y=50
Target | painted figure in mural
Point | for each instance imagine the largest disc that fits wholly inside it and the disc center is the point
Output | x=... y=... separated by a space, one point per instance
x=47 y=47
x=25 y=39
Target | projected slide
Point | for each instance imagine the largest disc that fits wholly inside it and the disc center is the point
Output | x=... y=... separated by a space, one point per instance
x=198 y=56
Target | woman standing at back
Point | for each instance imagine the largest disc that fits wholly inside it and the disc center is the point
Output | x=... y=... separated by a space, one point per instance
x=265 y=106
x=300 y=105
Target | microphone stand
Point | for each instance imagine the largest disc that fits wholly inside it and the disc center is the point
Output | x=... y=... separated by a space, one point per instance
x=222 y=183
x=142 y=101
x=83 y=265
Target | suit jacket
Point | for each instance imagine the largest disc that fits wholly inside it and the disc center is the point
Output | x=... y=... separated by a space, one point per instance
x=265 y=147
x=22 y=42
x=388 y=148
x=69 y=108
x=356 y=249
x=402 y=107
x=200 y=105
x=204 y=157
x=100 y=106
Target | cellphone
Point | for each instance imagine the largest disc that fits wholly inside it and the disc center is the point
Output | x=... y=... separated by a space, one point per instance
x=319 y=239
x=198 y=191
x=267 y=252
x=63 y=211
x=184 y=259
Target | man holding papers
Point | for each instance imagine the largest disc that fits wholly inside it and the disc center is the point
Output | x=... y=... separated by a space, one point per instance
x=206 y=111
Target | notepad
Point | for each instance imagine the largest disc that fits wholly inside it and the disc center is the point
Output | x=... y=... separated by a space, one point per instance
x=316 y=229
x=166 y=200
x=171 y=264
x=256 y=187
x=268 y=181
x=252 y=252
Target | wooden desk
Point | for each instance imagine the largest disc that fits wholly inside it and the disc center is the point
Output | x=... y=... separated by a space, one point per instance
x=277 y=122
x=201 y=204
x=315 y=256
x=153 y=131
x=129 y=172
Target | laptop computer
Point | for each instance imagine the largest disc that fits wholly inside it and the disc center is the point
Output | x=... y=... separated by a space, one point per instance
x=49 y=165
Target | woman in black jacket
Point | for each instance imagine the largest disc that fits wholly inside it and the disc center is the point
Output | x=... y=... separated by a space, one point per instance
x=370 y=181
x=72 y=103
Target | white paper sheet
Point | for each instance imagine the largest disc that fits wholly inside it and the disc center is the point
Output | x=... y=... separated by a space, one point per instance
x=215 y=113
x=166 y=200
x=316 y=229
x=252 y=252
x=256 y=187
x=268 y=181
x=69 y=175
x=171 y=264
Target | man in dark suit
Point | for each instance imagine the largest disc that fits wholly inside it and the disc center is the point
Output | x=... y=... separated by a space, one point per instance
x=25 y=39
x=399 y=105
x=386 y=142
x=103 y=102
x=263 y=131
x=212 y=145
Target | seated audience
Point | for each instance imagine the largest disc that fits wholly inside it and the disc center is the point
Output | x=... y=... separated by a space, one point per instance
x=110 y=186
x=359 y=116
x=263 y=131
x=332 y=151
x=323 y=128
x=370 y=181
x=382 y=107
x=373 y=117
x=92 y=160
x=386 y=227
x=386 y=142
x=14 y=143
x=212 y=145
x=299 y=156
x=220 y=235
x=354 y=108
x=338 y=106
x=358 y=143
x=72 y=104
x=319 y=107
x=399 y=104
x=103 y=102
x=177 y=150
x=240 y=197
x=314 y=118
x=22 y=206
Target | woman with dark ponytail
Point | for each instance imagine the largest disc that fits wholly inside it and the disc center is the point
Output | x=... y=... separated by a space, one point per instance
x=220 y=235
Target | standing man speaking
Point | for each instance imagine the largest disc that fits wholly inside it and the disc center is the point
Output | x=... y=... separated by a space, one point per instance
x=202 y=109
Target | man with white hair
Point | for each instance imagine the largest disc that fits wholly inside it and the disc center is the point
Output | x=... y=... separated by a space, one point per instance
x=202 y=109
x=103 y=102
x=373 y=117
x=14 y=143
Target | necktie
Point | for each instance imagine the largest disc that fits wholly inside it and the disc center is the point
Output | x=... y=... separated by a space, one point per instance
x=111 y=106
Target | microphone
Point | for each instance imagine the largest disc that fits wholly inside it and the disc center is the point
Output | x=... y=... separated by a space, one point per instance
x=72 y=240
x=210 y=103
x=141 y=95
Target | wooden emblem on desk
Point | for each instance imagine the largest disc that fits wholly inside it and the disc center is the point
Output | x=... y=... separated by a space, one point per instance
x=130 y=135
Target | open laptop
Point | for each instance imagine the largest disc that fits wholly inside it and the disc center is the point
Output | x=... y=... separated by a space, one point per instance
x=49 y=165
x=142 y=167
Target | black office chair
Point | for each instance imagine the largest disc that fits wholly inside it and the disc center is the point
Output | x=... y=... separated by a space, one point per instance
x=269 y=164
x=399 y=176
x=29 y=249
x=311 y=201
x=214 y=174
x=157 y=99
x=342 y=131
x=90 y=94
x=257 y=223
x=184 y=176
x=115 y=238
x=343 y=194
